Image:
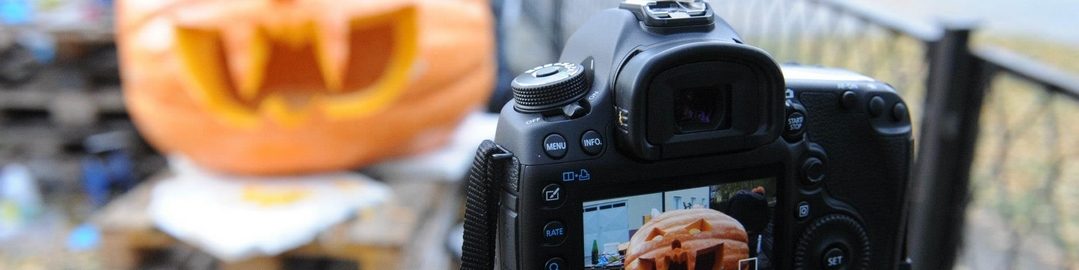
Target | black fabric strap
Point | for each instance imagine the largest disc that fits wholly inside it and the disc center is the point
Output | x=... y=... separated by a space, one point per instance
x=481 y=207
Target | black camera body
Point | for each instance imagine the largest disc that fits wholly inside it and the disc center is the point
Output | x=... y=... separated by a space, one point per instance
x=659 y=127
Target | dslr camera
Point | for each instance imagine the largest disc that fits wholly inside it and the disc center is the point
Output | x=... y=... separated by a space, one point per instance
x=660 y=140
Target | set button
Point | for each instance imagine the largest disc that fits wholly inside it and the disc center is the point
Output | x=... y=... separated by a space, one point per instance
x=834 y=259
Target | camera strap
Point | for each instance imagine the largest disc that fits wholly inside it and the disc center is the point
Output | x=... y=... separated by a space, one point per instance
x=481 y=206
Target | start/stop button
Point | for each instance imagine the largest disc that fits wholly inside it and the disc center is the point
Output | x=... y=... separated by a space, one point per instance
x=794 y=123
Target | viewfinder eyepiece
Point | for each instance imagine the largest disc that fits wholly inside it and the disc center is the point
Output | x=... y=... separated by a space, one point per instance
x=701 y=109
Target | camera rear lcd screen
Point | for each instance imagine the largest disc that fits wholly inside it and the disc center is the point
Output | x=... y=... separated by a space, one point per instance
x=694 y=228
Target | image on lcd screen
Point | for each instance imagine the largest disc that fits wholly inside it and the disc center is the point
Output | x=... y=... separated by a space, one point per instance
x=694 y=228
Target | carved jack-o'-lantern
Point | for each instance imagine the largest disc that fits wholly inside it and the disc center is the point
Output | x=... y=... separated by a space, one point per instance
x=686 y=239
x=293 y=86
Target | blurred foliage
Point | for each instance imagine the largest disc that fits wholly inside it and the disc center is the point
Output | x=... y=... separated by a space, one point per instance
x=1026 y=165
x=1060 y=55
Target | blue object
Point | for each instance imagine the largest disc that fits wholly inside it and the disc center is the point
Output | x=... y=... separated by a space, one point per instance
x=95 y=178
x=106 y=173
x=84 y=237
x=15 y=11
x=42 y=45
x=121 y=170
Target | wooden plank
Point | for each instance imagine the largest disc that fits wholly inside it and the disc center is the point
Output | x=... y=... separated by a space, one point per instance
x=374 y=238
x=429 y=248
x=129 y=212
x=258 y=263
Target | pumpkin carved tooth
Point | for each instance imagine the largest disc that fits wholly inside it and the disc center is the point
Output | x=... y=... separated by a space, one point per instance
x=332 y=56
x=250 y=52
x=204 y=75
x=393 y=75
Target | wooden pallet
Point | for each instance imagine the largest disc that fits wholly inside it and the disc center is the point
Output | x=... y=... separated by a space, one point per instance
x=375 y=239
x=61 y=107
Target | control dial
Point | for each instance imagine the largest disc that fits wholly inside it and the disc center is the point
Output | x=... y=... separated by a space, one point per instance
x=833 y=242
x=548 y=87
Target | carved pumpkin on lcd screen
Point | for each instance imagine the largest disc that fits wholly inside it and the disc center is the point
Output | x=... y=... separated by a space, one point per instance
x=294 y=86
x=688 y=239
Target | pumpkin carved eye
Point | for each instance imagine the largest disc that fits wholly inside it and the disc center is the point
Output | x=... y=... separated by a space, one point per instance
x=655 y=234
x=346 y=69
x=698 y=226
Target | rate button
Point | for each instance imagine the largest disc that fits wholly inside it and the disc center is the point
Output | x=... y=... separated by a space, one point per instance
x=554 y=233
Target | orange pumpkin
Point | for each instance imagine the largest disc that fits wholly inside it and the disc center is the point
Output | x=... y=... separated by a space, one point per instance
x=685 y=239
x=295 y=86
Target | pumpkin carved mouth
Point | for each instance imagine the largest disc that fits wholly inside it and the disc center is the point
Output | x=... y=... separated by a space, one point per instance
x=290 y=70
x=678 y=258
x=688 y=239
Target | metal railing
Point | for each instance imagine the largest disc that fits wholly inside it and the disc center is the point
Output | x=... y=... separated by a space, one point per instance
x=988 y=122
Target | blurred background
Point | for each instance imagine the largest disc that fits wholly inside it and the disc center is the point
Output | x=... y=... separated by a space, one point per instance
x=77 y=177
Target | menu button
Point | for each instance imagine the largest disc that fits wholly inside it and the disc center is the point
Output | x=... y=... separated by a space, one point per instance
x=555 y=146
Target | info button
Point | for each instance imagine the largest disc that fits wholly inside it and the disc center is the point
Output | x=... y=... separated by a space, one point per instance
x=592 y=142
x=554 y=233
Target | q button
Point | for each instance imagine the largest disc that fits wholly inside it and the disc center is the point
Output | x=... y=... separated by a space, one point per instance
x=554 y=264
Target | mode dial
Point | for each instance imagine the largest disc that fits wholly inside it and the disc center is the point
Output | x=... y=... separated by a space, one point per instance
x=548 y=87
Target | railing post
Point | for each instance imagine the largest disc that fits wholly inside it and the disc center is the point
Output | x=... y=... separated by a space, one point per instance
x=955 y=88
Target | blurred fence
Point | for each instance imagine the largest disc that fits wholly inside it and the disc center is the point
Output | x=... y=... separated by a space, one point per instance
x=991 y=126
